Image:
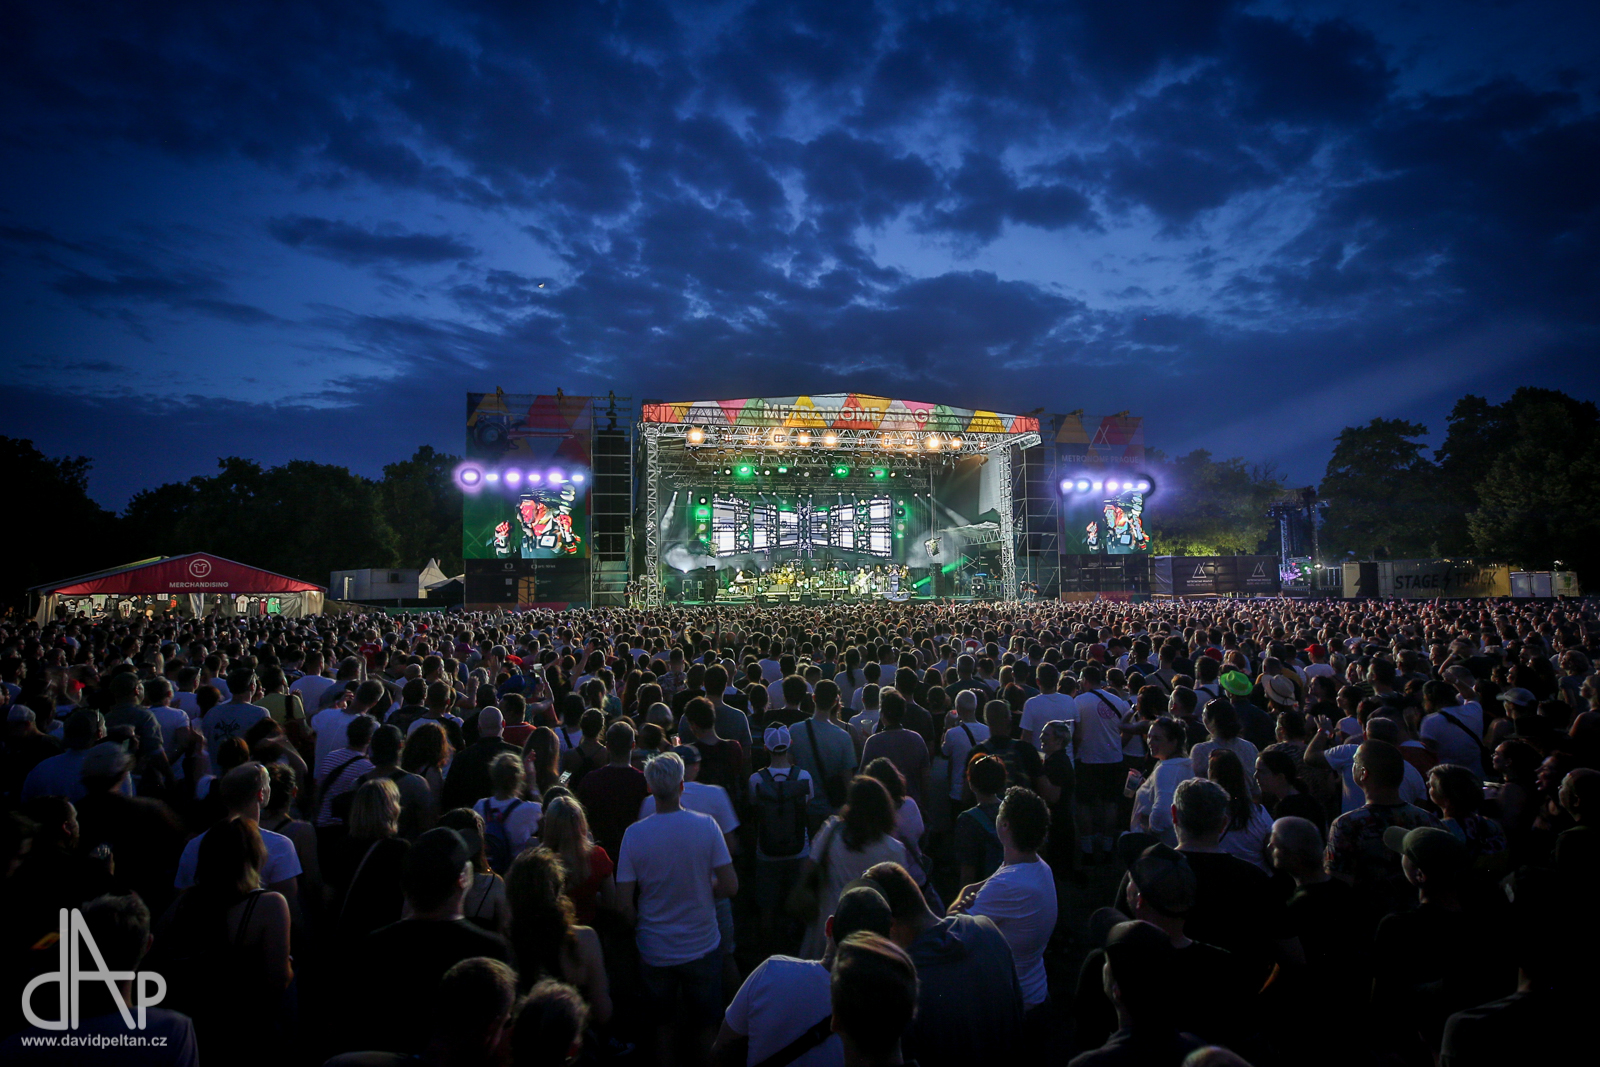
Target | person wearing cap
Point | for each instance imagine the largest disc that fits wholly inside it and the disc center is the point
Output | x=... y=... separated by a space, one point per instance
x=1161 y=890
x=784 y=1005
x=672 y=868
x=779 y=795
x=26 y=746
x=468 y=780
x=1255 y=725
x=144 y=835
x=1138 y=956
x=408 y=959
x=1433 y=960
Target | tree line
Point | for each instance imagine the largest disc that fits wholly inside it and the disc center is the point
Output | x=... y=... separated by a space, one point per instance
x=1512 y=482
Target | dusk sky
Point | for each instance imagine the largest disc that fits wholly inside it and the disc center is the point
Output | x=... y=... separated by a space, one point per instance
x=286 y=230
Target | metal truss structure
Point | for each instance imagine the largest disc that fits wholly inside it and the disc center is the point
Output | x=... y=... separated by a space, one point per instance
x=683 y=454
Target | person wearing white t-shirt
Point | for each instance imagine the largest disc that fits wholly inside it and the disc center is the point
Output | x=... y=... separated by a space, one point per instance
x=962 y=736
x=244 y=792
x=1452 y=728
x=787 y=1000
x=1342 y=758
x=1049 y=706
x=1097 y=750
x=671 y=869
x=1020 y=897
x=312 y=684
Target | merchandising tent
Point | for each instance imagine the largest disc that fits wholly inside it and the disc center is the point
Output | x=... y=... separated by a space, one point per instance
x=197 y=575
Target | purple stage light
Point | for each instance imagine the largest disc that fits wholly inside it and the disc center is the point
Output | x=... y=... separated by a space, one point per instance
x=534 y=477
x=513 y=476
x=556 y=478
x=491 y=476
x=469 y=477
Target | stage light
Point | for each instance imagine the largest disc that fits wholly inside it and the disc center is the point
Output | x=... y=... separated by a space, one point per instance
x=1066 y=485
x=557 y=478
x=841 y=472
x=696 y=436
x=492 y=476
x=910 y=440
x=1144 y=487
x=803 y=440
x=534 y=477
x=933 y=442
x=894 y=474
x=702 y=500
x=767 y=471
x=471 y=477
x=879 y=472
x=783 y=470
x=778 y=438
x=886 y=440
x=577 y=479
x=513 y=477
x=727 y=470
x=1083 y=485
x=956 y=443
x=744 y=470
x=830 y=440
x=1097 y=486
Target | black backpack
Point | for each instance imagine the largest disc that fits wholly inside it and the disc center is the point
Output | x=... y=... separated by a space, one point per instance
x=781 y=814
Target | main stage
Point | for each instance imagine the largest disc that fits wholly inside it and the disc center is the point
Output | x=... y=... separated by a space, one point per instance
x=831 y=498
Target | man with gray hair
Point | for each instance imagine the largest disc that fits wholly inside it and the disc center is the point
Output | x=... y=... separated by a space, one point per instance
x=672 y=868
x=963 y=733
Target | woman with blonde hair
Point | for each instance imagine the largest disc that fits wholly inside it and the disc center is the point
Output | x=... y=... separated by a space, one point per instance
x=590 y=872
x=549 y=943
x=373 y=862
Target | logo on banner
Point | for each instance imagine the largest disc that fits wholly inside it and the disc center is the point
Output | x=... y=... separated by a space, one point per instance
x=149 y=987
x=1260 y=571
x=1200 y=570
x=200 y=568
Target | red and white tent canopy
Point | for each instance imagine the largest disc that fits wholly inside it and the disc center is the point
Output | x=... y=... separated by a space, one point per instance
x=197 y=572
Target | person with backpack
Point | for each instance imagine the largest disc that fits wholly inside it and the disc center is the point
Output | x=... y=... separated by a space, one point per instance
x=978 y=849
x=509 y=821
x=779 y=795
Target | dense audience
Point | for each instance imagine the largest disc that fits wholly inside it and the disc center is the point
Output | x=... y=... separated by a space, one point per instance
x=1255 y=831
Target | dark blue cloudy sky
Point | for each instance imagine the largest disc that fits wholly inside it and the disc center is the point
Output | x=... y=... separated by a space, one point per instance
x=306 y=229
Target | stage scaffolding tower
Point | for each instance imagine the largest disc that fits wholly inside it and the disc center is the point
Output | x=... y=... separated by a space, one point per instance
x=611 y=503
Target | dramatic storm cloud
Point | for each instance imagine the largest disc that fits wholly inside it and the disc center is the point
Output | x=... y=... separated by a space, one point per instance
x=284 y=230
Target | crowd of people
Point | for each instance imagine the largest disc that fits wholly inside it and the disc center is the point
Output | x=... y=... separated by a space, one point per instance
x=1254 y=831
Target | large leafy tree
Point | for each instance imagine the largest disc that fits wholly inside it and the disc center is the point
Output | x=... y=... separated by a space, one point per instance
x=302 y=519
x=1535 y=495
x=1382 y=493
x=423 y=507
x=1210 y=507
x=55 y=530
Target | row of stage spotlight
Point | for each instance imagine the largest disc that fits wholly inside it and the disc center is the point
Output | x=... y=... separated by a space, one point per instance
x=472 y=477
x=1105 y=485
x=697 y=437
x=840 y=470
